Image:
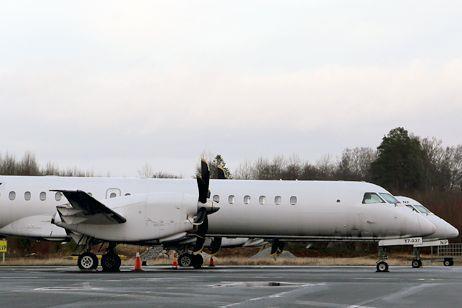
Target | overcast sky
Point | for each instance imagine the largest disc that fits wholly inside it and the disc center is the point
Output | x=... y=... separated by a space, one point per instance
x=112 y=85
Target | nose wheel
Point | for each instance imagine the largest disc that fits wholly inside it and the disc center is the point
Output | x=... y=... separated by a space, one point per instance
x=382 y=266
x=448 y=262
x=416 y=263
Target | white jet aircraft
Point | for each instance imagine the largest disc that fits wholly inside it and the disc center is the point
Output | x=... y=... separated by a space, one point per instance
x=444 y=231
x=178 y=212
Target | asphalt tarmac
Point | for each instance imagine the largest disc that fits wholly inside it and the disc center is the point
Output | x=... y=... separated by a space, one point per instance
x=232 y=287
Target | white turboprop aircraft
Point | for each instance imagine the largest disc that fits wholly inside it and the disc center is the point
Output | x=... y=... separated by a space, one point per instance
x=444 y=231
x=180 y=213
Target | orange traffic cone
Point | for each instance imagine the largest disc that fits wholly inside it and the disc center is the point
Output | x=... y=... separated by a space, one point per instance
x=137 y=267
x=211 y=262
x=174 y=262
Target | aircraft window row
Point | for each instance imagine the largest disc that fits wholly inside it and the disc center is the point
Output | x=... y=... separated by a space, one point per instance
x=370 y=198
x=261 y=199
x=28 y=196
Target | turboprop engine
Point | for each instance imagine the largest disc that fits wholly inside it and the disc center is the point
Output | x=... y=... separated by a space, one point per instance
x=136 y=218
x=152 y=217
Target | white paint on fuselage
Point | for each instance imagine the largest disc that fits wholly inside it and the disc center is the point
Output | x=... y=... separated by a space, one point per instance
x=317 y=214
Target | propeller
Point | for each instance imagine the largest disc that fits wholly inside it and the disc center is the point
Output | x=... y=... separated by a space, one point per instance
x=205 y=207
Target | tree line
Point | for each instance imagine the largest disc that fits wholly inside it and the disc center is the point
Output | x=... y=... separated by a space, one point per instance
x=401 y=163
x=28 y=165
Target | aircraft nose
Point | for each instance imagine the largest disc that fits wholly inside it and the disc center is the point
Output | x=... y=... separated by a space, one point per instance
x=417 y=225
x=452 y=232
x=444 y=230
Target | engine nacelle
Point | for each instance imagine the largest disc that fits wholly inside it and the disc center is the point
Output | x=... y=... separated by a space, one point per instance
x=148 y=217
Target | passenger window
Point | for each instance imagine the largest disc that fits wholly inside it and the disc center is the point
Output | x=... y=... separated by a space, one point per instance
x=277 y=200
x=112 y=195
x=58 y=196
x=12 y=195
x=246 y=199
x=128 y=194
x=370 y=198
x=231 y=199
x=293 y=200
x=262 y=200
x=43 y=196
x=27 y=195
x=216 y=198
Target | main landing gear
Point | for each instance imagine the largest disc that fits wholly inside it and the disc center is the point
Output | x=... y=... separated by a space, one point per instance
x=110 y=262
x=188 y=259
x=382 y=265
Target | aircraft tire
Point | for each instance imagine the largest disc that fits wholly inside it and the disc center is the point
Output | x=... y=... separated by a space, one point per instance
x=416 y=263
x=110 y=262
x=448 y=262
x=87 y=261
x=197 y=261
x=185 y=260
x=382 y=266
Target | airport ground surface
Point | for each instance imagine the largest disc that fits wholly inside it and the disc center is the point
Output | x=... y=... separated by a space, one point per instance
x=232 y=287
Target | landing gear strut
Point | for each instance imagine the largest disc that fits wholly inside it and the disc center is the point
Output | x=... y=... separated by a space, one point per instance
x=382 y=265
x=416 y=262
x=111 y=261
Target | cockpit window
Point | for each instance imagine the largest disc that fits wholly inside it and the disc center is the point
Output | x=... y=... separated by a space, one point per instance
x=422 y=209
x=370 y=198
x=389 y=198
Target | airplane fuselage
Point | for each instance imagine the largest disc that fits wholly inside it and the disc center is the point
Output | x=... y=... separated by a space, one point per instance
x=266 y=209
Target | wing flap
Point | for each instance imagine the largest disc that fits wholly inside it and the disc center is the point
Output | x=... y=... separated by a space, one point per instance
x=83 y=208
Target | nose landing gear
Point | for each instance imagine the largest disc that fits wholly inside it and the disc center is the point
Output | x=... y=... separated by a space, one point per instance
x=416 y=262
x=382 y=265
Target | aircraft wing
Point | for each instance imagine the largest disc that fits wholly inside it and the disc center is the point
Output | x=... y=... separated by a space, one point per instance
x=86 y=209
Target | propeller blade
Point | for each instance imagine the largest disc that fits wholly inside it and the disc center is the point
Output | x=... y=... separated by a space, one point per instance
x=214 y=246
x=201 y=231
x=221 y=173
x=201 y=216
x=203 y=182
